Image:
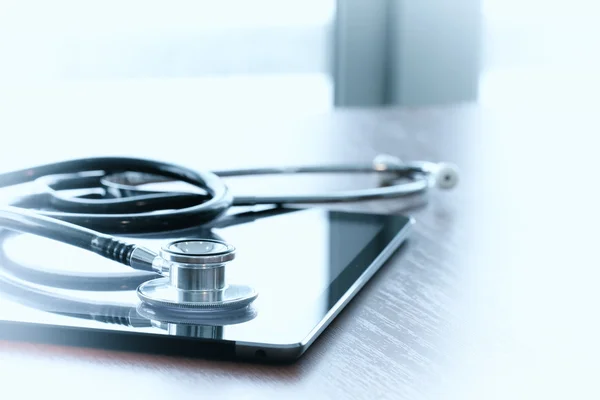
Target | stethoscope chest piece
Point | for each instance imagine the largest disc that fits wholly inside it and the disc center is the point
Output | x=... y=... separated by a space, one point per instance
x=194 y=279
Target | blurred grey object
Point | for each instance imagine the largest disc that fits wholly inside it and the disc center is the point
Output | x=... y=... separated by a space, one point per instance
x=339 y=52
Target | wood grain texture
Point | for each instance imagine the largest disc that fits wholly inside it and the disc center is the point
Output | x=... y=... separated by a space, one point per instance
x=452 y=315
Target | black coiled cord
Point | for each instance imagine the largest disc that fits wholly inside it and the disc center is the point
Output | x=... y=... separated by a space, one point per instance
x=140 y=213
x=86 y=222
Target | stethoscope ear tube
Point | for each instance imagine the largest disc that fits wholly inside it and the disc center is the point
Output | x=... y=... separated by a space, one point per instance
x=421 y=176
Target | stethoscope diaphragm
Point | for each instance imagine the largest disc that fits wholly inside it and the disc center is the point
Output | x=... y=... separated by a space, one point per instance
x=194 y=278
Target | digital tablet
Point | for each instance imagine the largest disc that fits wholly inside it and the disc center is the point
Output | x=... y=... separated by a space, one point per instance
x=305 y=264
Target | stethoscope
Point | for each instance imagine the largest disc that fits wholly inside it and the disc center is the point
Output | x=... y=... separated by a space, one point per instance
x=82 y=202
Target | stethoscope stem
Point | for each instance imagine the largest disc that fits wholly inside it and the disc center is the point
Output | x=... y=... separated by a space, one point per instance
x=28 y=221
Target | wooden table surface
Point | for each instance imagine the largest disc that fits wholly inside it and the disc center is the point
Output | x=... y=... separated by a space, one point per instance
x=495 y=296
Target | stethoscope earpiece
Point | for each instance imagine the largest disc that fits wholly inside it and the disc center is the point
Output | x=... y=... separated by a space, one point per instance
x=443 y=175
x=446 y=176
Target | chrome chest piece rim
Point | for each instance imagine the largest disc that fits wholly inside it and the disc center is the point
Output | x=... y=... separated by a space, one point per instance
x=194 y=279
